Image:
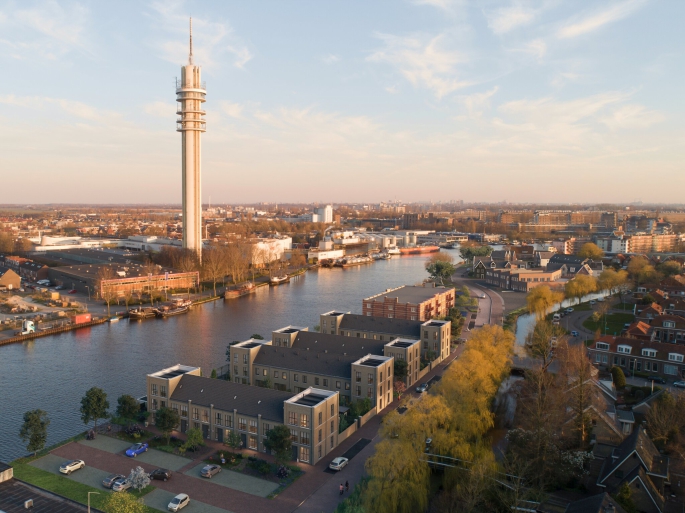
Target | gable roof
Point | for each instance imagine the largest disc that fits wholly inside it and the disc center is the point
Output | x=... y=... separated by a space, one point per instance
x=595 y=504
x=320 y=353
x=639 y=329
x=403 y=327
x=227 y=396
x=560 y=258
x=637 y=345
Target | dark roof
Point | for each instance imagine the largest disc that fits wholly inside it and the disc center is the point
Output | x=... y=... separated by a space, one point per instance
x=411 y=294
x=594 y=504
x=567 y=259
x=320 y=353
x=14 y=493
x=637 y=442
x=402 y=327
x=227 y=396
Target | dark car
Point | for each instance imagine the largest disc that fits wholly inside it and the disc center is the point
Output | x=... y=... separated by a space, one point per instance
x=109 y=481
x=657 y=379
x=161 y=473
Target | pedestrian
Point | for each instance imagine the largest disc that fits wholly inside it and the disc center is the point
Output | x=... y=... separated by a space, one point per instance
x=347 y=486
x=341 y=489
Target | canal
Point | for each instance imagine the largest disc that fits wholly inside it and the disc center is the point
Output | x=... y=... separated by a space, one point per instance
x=53 y=373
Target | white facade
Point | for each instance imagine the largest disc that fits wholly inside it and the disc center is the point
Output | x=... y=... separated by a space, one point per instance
x=325 y=214
x=190 y=95
x=268 y=250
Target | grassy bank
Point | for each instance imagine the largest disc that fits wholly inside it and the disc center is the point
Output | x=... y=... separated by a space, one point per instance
x=614 y=323
x=511 y=318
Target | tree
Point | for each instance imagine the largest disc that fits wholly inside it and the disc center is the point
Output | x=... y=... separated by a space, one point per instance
x=440 y=267
x=233 y=440
x=194 y=439
x=22 y=246
x=257 y=336
x=640 y=270
x=104 y=274
x=670 y=268
x=166 y=421
x=469 y=250
x=591 y=250
x=619 y=377
x=666 y=419
x=580 y=286
x=400 y=369
x=213 y=375
x=542 y=342
x=127 y=407
x=624 y=498
x=214 y=264
x=278 y=441
x=265 y=383
x=34 y=430
x=139 y=478
x=577 y=369
x=540 y=299
x=123 y=503
x=399 y=387
x=6 y=243
x=94 y=406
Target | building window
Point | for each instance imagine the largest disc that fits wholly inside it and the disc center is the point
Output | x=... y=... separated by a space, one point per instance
x=332 y=441
x=245 y=358
x=174 y=407
x=284 y=375
x=154 y=404
x=252 y=442
x=242 y=425
x=304 y=420
x=425 y=334
x=319 y=452
x=229 y=420
x=275 y=374
x=320 y=418
x=218 y=419
x=332 y=409
x=316 y=381
x=235 y=357
x=304 y=437
x=675 y=357
x=358 y=377
x=304 y=378
x=369 y=379
x=425 y=345
x=292 y=418
x=293 y=435
x=196 y=414
x=184 y=410
x=325 y=382
x=162 y=390
x=603 y=346
x=649 y=352
x=337 y=385
x=245 y=373
x=205 y=416
x=154 y=389
x=671 y=370
x=359 y=391
x=320 y=435
x=369 y=392
x=347 y=386
x=624 y=349
x=253 y=426
x=304 y=454
x=332 y=426
x=256 y=371
x=296 y=378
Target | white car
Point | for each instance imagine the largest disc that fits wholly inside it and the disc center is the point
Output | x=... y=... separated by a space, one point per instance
x=338 y=463
x=179 y=502
x=69 y=466
x=121 y=485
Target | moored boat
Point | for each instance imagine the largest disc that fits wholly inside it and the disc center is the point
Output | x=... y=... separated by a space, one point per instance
x=417 y=250
x=141 y=313
x=393 y=250
x=278 y=280
x=168 y=311
x=247 y=288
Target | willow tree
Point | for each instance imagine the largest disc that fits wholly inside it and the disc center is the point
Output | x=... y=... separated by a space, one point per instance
x=580 y=286
x=541 y=299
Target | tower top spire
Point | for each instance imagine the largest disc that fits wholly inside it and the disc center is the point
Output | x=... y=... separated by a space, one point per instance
x=190 y=56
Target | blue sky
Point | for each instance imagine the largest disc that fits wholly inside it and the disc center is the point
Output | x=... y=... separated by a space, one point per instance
x=547 y=100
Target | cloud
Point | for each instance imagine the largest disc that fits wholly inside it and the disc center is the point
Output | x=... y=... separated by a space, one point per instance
x=632 y=117
x=536 y=48
x=504 y=19
x=71 y=107
x=598 y=19
x=475 y=103
x=160 y=109
x=423 y=62
x=234 y=110
x=393 y=89
x=545 y=111
x=212 y=40
x=445 y=5
x=49 y=30
x=330 y=59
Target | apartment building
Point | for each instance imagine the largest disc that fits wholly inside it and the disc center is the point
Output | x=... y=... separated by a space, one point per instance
x=415 y=303
x=638 y=243
x=410 y=351
x=434 y=335
x=521 y=280
x=635 y=355
x=220 y=407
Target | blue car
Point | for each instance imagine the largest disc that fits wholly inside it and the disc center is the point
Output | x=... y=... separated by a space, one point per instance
x=136 y=449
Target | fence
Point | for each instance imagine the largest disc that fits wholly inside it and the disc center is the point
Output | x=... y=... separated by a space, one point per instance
x=352 y=428
x=51 y=331
x=366 y=417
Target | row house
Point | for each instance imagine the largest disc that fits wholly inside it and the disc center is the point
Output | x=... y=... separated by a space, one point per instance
x=634 y=355
x=435 y=335
x=521 y=280
x=668 y=328
x=219 y=408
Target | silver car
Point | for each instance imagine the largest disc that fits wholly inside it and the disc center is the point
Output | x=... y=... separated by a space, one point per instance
x=70 y=466
x=210 y=470
x=109 y=481
x=121 y=485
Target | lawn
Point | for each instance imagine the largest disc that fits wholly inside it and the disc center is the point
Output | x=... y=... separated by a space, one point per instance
x=66 y=487
x=614 y=323
x=628 y=307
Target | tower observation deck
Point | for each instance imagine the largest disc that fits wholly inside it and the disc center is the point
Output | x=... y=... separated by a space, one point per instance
x=190 y=97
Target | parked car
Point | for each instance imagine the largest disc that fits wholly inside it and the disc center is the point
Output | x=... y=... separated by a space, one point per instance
x=210 y=470
x=657 y=379
x=338 y=463
x=179 y=502
x=679 y=384
x=136 y=449
x=569 y=310
x=574 y=333
x=121 y=485
x=593 y=302
x=600 y=299
x=422 y=388
x=72 y=291
x=70 y=466
x=59 y=287
x=109 y=481
x=161 y=474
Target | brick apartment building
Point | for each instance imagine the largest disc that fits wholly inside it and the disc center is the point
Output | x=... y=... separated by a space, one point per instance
x=415 y=303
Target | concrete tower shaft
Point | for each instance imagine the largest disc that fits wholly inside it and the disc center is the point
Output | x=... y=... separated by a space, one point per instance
x=190 y=95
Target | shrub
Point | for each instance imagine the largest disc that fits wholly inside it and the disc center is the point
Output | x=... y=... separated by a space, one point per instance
x=619 y=377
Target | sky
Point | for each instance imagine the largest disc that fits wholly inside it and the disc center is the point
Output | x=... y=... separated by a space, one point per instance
x=348 y=101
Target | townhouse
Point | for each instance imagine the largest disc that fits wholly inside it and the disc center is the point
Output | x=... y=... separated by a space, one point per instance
x=521 y=280
x=634 y=355
x=219 y=408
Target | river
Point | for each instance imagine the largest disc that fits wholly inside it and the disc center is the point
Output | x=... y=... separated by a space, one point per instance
x=53 y=373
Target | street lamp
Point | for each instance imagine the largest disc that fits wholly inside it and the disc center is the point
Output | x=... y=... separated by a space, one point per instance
x=96 y=493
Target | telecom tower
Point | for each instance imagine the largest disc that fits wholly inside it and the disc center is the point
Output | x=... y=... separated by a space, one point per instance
x=190 y=95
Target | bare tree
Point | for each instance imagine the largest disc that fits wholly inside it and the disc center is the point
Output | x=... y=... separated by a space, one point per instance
x=104 y=274
x=214 y=264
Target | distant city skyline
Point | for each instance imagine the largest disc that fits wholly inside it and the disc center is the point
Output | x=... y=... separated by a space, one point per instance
x=426 y=100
